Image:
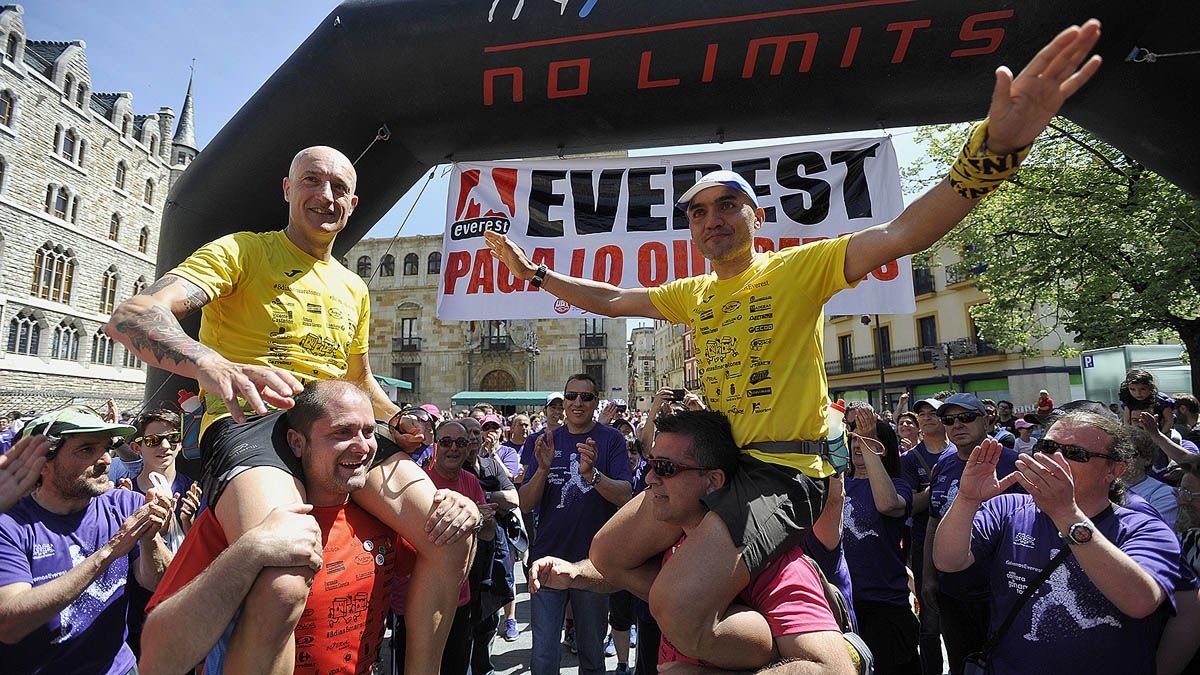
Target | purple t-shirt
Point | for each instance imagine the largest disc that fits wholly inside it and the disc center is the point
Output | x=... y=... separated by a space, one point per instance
x=833 y=565
x=968 y=584
x=1068 y=626
x=6 y=439
x=872 y=544
x=571 y=511
x=36 y=547
x=509 y=455
x=913 y=470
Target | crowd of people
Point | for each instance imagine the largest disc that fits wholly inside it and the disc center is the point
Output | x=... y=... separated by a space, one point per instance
x=730 y=529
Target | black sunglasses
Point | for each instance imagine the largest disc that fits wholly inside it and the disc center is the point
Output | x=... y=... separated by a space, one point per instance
x=665 y=468
x=419 y=413
x=154 y=439
x=1075 y=453
x=965 y=418
x=586 y=396
x=460 y=443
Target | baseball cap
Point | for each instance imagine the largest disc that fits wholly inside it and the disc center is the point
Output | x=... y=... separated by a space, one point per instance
x=491 y=419
x=1023 y=424
x=556 y=396
x=931 y=402
x=71 y=421
x=432 y=410
x=967 y=402
x=712 y=179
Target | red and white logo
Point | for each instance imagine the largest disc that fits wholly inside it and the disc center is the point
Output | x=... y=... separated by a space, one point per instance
x=485 y=202
x=562 y=306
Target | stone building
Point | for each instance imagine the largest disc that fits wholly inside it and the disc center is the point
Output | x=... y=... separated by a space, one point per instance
x=83 y=182
x=441 y=359
x=643 y=373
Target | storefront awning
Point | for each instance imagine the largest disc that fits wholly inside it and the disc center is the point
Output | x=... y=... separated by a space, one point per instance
x=470 y=398
x=393 y=382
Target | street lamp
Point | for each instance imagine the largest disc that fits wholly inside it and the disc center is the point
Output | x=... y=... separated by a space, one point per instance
x=878 y=340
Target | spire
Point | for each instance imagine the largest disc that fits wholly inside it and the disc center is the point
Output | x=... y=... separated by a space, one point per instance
x=185 y=132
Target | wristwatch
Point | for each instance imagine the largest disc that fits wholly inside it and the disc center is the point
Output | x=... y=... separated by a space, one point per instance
x=539 y=276
x=1080 y=533
x=596 y=476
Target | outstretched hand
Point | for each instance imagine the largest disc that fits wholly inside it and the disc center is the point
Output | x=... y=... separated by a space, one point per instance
x=1022 y=107
x=979 y=482
x=257 y=385
x=513 y=257
x=20 y=468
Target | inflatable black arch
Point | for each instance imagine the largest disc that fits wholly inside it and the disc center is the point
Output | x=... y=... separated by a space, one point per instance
x=459 y=79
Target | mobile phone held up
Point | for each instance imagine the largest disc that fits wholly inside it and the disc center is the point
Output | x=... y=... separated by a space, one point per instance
x=677 y=394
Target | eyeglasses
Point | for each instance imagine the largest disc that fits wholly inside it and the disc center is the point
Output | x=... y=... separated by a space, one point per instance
x=460 y=443
x=1184 y=493
x=155 y=439
x=965 y=418
x=1075 y=453
x=419 y=413
x=665 y=468
x=585 y=396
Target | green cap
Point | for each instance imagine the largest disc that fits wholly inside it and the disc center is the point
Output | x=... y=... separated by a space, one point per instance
x=74 y=420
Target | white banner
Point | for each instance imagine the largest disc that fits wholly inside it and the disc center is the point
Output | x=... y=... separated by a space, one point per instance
x=614 y=220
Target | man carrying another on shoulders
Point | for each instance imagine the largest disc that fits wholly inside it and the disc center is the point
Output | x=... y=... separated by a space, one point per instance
x=779 y=489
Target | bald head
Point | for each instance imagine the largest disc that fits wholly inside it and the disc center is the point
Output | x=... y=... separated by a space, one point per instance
x=321 y=153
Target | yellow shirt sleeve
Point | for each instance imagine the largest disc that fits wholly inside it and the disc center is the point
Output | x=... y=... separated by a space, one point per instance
x=217 y=266
x=819 y=267
x=674 y=299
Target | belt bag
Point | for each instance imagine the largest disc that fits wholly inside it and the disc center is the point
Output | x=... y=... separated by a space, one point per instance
x=836 y=455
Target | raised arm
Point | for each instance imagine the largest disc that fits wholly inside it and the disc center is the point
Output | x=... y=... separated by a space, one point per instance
x=148 y=325
x=1021 y=108
x=593 y=296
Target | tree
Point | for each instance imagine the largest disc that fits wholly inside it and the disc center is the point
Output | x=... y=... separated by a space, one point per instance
x=1082 y=239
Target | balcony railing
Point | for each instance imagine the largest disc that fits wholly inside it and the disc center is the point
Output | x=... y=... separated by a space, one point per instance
x=497 y=343
x=406 y=344
x=901 y=357
x=593 y=340
x=960 y=272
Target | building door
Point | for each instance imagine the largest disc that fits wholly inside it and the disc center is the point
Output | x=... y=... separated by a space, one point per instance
x=498 y=380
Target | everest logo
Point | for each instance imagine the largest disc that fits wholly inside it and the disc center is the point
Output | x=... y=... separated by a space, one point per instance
x=478 y=200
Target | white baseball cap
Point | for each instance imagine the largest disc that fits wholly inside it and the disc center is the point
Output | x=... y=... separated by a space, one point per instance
x=712 y=179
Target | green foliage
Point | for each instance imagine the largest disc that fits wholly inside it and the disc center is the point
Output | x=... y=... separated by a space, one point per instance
x=1082 y=239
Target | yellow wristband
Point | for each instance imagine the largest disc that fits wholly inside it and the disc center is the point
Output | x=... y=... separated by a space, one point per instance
x=977 y=172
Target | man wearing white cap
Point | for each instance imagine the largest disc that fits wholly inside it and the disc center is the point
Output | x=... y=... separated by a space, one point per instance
x=763 y=312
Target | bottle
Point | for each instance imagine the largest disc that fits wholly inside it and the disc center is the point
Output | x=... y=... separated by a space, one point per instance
x=838 y=451
x=188 y=402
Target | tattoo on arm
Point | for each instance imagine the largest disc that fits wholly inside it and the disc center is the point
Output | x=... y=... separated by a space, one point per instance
x=194 y=297
x=156 y=332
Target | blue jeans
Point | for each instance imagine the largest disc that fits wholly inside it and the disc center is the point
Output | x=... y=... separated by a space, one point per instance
x=591 y=625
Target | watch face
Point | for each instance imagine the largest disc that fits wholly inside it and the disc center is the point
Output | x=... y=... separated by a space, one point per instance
x=1081 y=533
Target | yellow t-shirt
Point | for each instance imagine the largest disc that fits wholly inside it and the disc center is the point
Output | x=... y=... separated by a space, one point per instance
x=759 y=344
x=274 y=305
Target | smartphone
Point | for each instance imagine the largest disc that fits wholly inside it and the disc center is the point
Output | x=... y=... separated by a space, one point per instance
x=621 y=408
x=677 y=394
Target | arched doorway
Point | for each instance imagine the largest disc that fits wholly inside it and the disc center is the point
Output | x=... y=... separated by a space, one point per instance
x=498 y=380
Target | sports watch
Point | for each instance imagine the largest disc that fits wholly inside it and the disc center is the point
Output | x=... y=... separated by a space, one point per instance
x=595 y=479
x=1080 y=533
x=539 y=276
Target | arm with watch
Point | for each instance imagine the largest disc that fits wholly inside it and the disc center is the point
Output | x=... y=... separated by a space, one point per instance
x=615 y=491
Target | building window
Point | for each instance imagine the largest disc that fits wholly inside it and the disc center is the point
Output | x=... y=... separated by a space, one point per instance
x=68 y=85
x=53 y=273
x=108 y=290
x=121 y=171
x=8 y=103
x=181 y=158
x=387 y=266
x=154 y=145
x=24 y=334
x=149 y=194
x=410 y=264
x=410 y=373
x=65 y=342
x=130 y=360
x=922 y=280
x=57 y=202
x=102 y=348
x=68 y=145
x=883 y=343
x=10 y=49
x=144 y=240
x=596 y=370
x=81 y=95
x=3 y=170
x=75 y=208
x=364 y=266
x=125 y=125
x=139 y=286
x=927 y=331
x=408 y=327
x=435 y=263
x=846 y=353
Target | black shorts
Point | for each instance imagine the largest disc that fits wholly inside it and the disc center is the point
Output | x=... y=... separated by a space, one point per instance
x=620 y=610
x=766 y=507
x=228 y=448
x=891 y=633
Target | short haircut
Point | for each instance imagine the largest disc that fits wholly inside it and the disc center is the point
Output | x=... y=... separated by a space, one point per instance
x=167 y=417
x=584 y=377
x=910 y=416
x=448 y=423
x=711 y=436
x=1186 y=400
x=1120 y=441
x=1003 y=401
x=943 y=395
x=312 y=404
x=1143 y=445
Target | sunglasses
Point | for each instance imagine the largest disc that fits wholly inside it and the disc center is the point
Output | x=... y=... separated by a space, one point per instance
x=585 y=396
x=665 y=468
x=460 y=443
x=155 y=439
x=1074 y=453
x=965 y=418
x=1184 y=493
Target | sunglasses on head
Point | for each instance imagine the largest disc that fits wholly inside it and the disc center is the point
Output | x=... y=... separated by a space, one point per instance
x=965 y=418
x=585 y=396
x=1075 y=453
x=154 y=439
x=665 y=468
x=420 y=414
x=460 y=443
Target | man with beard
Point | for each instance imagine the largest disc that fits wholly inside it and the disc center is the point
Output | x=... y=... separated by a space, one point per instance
x=68 y=550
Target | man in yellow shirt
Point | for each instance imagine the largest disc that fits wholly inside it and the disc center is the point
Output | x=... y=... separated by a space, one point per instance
x=278 y=311
x=757 y=323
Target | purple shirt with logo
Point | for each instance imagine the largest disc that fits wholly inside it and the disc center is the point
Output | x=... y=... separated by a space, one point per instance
x=37 y=547
x=571 y=511
x=1068 y=626
x=871 y=542
x=968 y=584
x=913 y=470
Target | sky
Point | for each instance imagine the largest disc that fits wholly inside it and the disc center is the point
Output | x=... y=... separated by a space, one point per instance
x=148 y=48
